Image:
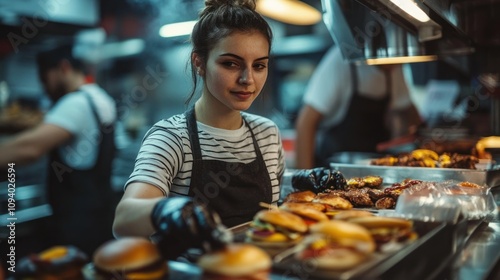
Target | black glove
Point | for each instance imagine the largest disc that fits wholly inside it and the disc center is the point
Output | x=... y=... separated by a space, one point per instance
x=318 y=180
x=181 y=224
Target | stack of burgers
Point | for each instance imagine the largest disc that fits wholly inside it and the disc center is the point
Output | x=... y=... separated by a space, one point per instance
x=325 y=237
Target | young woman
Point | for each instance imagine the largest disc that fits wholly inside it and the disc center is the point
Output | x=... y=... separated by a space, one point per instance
x=215 y=154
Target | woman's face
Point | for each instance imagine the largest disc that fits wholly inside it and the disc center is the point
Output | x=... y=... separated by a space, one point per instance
x=236 y=69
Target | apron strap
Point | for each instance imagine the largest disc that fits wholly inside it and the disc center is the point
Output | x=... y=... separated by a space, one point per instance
x=92 y=106
x=258 y=154
x=192 y=127
x=195 y=148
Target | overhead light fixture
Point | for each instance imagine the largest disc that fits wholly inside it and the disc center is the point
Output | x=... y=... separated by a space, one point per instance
x=411 y=8
x=177 y=29
x=401 y=59
x=289 y=11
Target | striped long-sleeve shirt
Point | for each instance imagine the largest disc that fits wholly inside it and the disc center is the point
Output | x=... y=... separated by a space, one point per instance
x=165 y=158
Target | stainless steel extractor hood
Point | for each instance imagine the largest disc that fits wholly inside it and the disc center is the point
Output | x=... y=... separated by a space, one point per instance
x=379 y=31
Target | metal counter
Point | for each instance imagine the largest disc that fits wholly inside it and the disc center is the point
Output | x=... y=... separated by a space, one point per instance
x=394 y=174
x=475 y=261
x=479 y=257
x=482 y=251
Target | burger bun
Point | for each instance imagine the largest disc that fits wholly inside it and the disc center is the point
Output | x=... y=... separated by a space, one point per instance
x=300 y=196
x=283 y=219
x=346 y=233
x=346 y=215
x=306 y=210
x=131 y=258
x=372 y=222
x=338 y=260
x=236 y=261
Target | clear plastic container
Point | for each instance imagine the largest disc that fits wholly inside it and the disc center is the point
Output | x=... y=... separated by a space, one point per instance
x=446 y=202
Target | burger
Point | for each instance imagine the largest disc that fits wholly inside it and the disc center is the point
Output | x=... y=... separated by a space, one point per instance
x=333 y=202
x=129 y=258
x=237 y=261
x=311 y=213
x=57 y=262
x=346 y=215
x=300 y=196
x=275 y=229
x=335 y=245
x=389 y=233
x=313 y=205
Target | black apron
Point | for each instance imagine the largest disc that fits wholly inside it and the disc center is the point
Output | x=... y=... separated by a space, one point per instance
x=362 y=128
x=83 y=201
x=233 y=190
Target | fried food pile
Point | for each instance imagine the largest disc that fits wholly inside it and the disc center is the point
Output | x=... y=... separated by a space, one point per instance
x=360 y=192
x=429 y=158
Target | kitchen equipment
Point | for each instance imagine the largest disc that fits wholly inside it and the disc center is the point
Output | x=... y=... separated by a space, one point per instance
x=394 y=174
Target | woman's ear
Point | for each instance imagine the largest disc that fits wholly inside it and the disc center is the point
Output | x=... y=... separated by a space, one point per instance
x=198 y=64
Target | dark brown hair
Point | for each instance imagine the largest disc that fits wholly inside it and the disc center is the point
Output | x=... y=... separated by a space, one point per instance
x=49 y=59
x=218 y=20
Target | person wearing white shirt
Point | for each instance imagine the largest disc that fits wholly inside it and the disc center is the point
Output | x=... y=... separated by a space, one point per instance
x=350 y=107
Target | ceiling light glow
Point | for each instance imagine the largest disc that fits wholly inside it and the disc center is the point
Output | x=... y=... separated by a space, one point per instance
x=401 y=59
x=412 y=9
x=177 y=29
x=289 y=11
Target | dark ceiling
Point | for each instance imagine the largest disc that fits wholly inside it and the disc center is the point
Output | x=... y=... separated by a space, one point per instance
x=121 y=19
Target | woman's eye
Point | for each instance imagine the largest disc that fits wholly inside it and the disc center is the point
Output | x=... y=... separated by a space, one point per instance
x=260 y=66
x=229 y=64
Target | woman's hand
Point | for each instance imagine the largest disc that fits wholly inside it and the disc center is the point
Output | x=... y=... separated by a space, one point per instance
x=181 y=224
x=318 y=180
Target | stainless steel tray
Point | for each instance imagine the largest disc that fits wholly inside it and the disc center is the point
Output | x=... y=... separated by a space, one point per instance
x=394 y=174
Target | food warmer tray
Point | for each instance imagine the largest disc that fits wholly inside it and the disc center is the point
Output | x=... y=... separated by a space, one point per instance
x=395 y=174
x=439 y=238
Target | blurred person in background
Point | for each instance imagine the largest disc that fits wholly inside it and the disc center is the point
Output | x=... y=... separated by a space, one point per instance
x=77 y=134
x=351 y=108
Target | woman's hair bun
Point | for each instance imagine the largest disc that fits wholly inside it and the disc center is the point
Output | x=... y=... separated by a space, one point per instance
x=209 y=4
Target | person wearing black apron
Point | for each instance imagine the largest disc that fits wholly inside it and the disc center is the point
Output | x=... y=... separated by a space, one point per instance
x=182 y=195
x=82 y=201
x=237 y=202
x=79 y=194
x=362 y=128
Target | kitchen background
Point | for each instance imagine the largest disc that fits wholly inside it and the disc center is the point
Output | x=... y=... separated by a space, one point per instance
x=147 y=73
